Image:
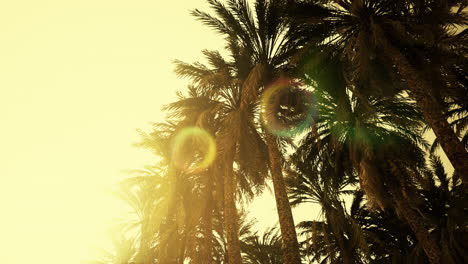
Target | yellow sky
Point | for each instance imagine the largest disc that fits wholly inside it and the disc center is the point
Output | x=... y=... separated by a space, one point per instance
x=77 y=77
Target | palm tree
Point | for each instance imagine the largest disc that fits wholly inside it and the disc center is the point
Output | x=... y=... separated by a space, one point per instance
x=444 y=204
x=369 y=135
x=150 y=196
x=377 y=236
x=389 y=240
x=139 y=192
x=270 y=41
x=338 y=238
x=123 y=251
x=194 y=110
x=264 y=249
x=179 y=201
x=384 y=41
x=236 y=134
x=458 y=117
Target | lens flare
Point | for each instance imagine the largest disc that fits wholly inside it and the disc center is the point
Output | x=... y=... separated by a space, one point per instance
x=287 y=110
x=193 y=144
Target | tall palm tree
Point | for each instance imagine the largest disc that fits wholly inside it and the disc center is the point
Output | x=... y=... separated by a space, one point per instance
x=270 y=41
x=397 y=40
x=236 y=134
x=444 y=204
x=376 y=236
x=194 y=110
x=150 y=196
x=139 y=192
x=185 y=196
x=338 y=238
x=369 y=135
x=389 y=240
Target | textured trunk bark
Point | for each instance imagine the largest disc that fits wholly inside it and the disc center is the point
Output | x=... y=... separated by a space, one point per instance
x=208 y=223
x=416 y=223
x=172 y=248
x=345 y=254
x=168 y=253
x=230 y=212
x=143 y=251
x=339 y=235
x=182 y=247
x=432 y=110
x=288 y=231
x=396 y=188
x=373 y=187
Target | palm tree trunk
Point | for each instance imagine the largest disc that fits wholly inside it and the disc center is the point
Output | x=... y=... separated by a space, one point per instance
x=415 y=222
x=339 y=235
x=169 y=229
x=206 y=256
x=396 y=188
x=432 y=110
x=346 y=257
x=143 y=251
x=230 y=212
x=288 y=231
x=182 y=248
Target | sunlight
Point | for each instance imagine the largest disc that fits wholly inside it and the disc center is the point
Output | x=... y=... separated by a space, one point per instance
x=78 y=79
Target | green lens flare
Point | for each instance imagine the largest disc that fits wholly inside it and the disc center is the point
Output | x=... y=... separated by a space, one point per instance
x=271 y=104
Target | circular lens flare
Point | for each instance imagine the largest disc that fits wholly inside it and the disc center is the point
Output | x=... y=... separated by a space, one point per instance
x=193 y=149
x=287 y=110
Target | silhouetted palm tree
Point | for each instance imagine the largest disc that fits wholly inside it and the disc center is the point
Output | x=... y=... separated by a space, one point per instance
x=338 y=238
x=270 y=41
x=444 y=204
x=236 y=134
x=397 y=43
x=177 y=198
x=368 y=134
x=147 y=196
x=262 y=249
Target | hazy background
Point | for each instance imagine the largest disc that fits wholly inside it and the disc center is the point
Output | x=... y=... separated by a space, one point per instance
x=77 y=78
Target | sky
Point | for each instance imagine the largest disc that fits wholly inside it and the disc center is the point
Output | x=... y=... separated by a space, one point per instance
x=77 y=78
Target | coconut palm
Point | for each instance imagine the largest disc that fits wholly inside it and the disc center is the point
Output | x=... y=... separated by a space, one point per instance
x=246 y=234
x=188 y=230
x=399 y=43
